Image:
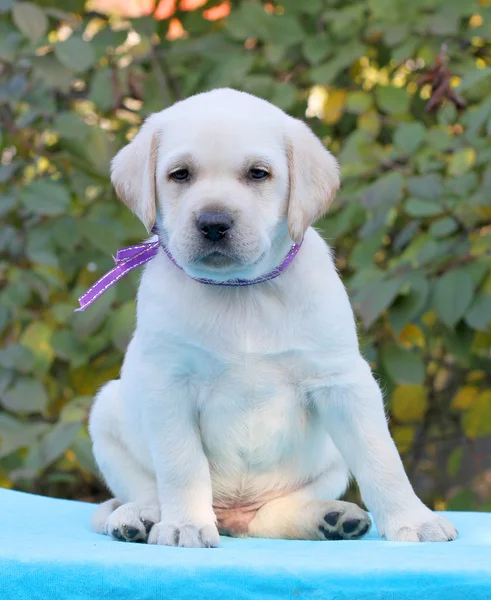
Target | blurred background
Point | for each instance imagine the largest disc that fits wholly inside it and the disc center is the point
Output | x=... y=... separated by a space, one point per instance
x=399 y=91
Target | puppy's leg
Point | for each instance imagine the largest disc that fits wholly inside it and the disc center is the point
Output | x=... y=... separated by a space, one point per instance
x=308 y=514
x=352 y=409
x=181 y=467
x=131 y=516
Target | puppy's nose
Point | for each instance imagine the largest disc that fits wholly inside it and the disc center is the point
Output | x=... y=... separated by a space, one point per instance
x=214 y=225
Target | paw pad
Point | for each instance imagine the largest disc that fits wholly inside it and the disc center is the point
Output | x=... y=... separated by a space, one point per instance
x=332 y=518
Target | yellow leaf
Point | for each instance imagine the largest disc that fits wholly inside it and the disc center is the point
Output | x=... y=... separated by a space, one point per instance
x=461 y=161
x=370 y=122
x=429 y=318
x=411 y=336
x=87 y=380
x=334 y=106
x=441 y=379
x=464 y=397
x=409 y=403
x=403 y=437
x=482 y=342
x=5 y=482
x=476 y=375
x=483 y=211
x=487 y=284
x=37 y=337
x=477 y=420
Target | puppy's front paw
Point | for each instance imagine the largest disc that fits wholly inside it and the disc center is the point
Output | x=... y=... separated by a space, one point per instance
x=421 y=526
x=185 y=535
x=132 y=522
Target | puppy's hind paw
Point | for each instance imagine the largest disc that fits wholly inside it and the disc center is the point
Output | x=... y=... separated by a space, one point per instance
x=344 y=521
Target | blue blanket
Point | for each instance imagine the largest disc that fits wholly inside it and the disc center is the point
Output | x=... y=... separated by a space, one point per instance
x=47 y=551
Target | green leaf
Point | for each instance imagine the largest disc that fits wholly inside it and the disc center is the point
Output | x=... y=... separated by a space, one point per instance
x=462 y=501
x=48 y=70
x=316 y=48
x=122 y=324
x=454 y=462
x=18 y=357
x=70 y=126
x=349 y=217
x=385 y=192
x=452 y=295
x=409 y=136
x=474 y=78
x=30 y=19
x=387 y=11
x=284 y=95
x=39 y=248
x=427 y=186
x=443 y=227
x=403 y=366
x=250 y=19
x=479 y=314
x=67 y=347
x=101 y=89
x=45 y=197
x=77 y=410
x=286 y=30
x=82 y=448
x=7 y=203
x=27 y=395
x=358 y=102
x=16 y=434
x=75 y=53
x=231 y=71
x=409 y=306
x=57 y=441
x=416 y=207
x=326 y=73
x=392 y=100
x=377 y=298
x=6 y=5
x=87 y=323
x=439 y=138
x=477 y=420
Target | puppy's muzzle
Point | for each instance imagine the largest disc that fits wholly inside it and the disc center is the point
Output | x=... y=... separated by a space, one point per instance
x=214 y=225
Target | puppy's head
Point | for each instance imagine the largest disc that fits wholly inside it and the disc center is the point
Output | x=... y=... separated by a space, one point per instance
x=231 y=180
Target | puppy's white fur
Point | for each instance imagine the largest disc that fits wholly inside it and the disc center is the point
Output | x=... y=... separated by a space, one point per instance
x=243 y=396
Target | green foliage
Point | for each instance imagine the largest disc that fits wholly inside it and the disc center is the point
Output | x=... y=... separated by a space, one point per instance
x=411 y=225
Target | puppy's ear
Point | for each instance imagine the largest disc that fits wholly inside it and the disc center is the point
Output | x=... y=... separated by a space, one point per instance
x=314 y=179
x=133 y=173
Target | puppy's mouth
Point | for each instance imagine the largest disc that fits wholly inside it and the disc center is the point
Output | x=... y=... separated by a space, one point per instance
x=216 y=260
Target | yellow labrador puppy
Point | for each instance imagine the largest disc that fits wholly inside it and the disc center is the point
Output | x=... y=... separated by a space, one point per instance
x=244 y=403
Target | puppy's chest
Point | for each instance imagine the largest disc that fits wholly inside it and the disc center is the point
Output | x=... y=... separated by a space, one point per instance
x=251 y=414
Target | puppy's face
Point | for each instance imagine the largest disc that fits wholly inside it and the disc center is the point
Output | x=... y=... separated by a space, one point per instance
x=230 y=179
x=222 y=186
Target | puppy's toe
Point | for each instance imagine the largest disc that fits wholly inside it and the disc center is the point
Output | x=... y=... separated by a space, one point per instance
x=131 y=522
x=419 y=526
x=184 y=535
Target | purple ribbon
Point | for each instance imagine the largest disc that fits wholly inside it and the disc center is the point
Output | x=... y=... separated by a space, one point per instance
x=131 y=257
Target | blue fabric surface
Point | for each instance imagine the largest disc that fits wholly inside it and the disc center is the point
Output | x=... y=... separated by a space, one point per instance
x=47 y=551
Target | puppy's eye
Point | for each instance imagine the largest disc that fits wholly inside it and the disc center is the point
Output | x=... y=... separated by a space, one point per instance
x=180 y=175
x=257 y=173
